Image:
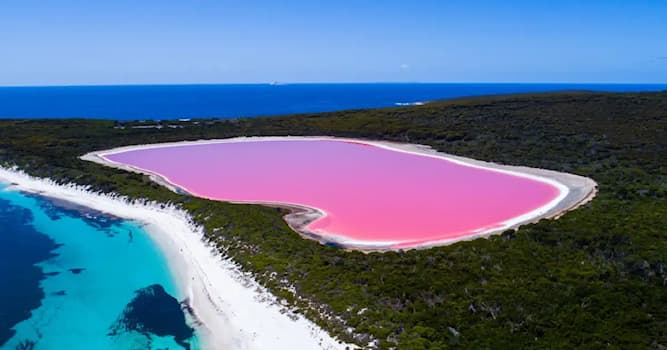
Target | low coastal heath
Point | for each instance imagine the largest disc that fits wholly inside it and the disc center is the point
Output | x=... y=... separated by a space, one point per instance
x=369 y=195
x=228 y=309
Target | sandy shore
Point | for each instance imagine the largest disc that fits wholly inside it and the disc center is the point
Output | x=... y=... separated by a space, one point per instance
x=234 y=312
x=573 y=190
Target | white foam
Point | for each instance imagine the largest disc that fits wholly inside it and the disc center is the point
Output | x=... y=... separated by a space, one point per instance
x=418 y=103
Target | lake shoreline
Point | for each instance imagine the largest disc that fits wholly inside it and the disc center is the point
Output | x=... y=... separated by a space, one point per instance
x=574 y=190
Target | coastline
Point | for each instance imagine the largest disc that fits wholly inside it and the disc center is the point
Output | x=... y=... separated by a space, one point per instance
x=574 y=190
x=231 y=309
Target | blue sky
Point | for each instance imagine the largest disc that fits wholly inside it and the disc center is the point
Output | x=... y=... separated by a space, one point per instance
x=46 y=42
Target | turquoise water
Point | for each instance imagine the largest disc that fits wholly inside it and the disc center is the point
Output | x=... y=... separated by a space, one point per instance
x=101 y=264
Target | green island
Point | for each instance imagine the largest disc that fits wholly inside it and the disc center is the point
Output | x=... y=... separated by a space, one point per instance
x=594 y=278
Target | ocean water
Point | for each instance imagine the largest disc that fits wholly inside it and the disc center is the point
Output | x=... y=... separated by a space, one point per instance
x=73 y=278
x=228 y=101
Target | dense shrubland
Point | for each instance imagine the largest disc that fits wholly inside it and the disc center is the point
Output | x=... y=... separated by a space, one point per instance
x=596 y=278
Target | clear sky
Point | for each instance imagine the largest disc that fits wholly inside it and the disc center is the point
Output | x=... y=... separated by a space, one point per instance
x=47 y=42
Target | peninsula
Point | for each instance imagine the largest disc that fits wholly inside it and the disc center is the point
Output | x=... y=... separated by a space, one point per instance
x=595 y=274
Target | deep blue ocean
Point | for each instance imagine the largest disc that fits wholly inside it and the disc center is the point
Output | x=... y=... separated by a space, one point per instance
x=72 y=278
x=229 y=101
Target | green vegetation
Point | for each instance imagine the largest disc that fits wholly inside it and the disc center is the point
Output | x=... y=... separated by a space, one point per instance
x=595 y=278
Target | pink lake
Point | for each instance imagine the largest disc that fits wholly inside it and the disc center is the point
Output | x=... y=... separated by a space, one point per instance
x=371 y=195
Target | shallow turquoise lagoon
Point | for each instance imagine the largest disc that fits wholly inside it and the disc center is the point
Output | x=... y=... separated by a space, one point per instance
x=101 y=287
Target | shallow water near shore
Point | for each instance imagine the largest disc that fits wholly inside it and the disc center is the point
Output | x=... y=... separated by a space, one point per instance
x=74 y=278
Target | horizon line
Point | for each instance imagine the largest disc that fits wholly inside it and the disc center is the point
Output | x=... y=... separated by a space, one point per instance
x=280 y=83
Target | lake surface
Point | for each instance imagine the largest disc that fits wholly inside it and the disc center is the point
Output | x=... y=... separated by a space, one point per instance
x=228 y=101
x=369 y=194
x=73 y=278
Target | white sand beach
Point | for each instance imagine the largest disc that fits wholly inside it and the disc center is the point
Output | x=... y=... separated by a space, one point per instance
x=234 y=311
